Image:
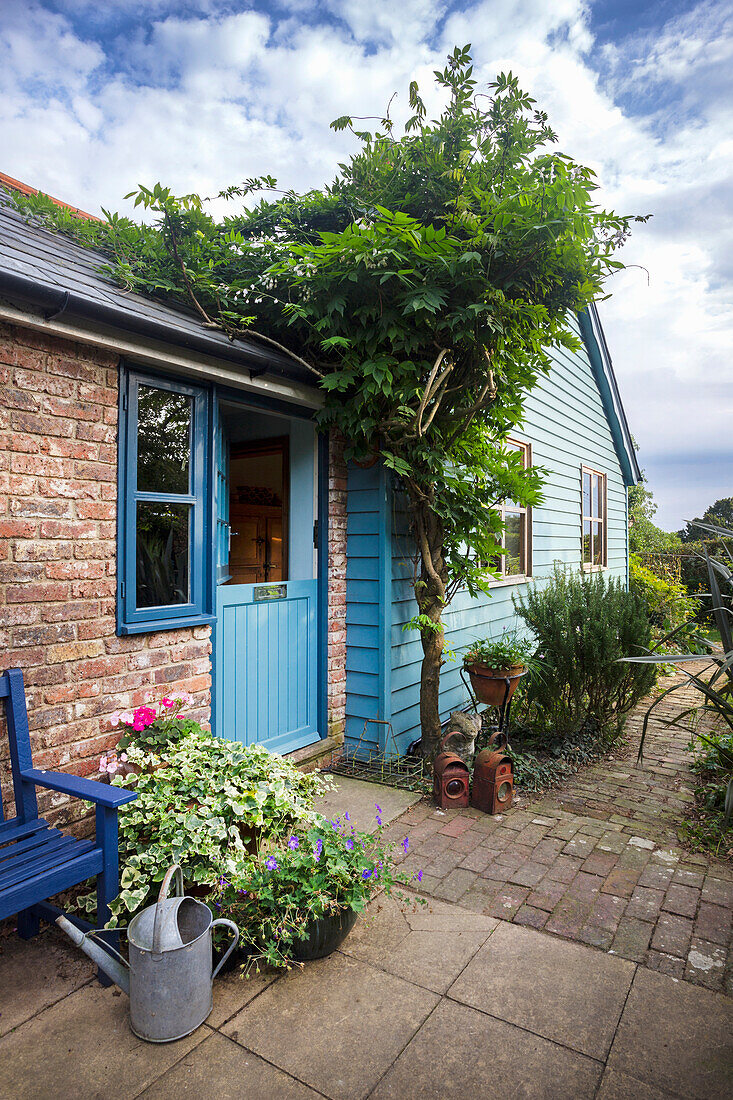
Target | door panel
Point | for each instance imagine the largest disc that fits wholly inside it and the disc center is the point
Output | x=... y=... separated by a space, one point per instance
x=266 y=659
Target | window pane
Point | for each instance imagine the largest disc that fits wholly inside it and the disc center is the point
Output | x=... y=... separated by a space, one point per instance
x=597 y=482
x=598 y=544
x=586 y=494
x=513 y=544
x=587 y=555
x=162 y=554
x=163 y=441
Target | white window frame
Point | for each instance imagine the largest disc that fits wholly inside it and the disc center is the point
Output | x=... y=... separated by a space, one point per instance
x=591 y=566
x=516 y=578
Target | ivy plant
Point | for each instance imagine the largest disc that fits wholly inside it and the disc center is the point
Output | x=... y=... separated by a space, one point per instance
x=207 y=804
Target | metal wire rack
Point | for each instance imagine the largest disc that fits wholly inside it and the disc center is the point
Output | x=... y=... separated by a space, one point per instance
x=385 y=766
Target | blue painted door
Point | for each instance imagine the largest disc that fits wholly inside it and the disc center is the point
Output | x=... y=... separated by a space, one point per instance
x=266 y=664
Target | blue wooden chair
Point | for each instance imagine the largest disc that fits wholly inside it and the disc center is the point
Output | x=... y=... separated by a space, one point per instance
x=37 y=861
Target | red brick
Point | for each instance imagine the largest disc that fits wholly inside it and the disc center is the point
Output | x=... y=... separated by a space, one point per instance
x=17 y=528
x=36 y=593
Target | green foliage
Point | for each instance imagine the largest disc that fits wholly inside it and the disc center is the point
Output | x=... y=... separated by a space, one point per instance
x=668 y=606
x=713 y=762
x=719 y=514
x=423 y=289
x=644 y=535
x=582 y=626
x=320 y=870
x=204 y=803
x=510 y=649
x=716 y=682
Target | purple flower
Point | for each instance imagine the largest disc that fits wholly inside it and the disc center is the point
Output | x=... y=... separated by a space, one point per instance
x=271 y=864
x=366 y=873
x=346 y=816
x=418 y=876
x=293 y=843
x=318 y=849
x=222 y=881
x=242 y=892
x=350 y=845
x=335 y=824
x=405 y=844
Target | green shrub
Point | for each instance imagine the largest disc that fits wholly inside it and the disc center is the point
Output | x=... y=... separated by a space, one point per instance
x=668 y=605
x=583 y=625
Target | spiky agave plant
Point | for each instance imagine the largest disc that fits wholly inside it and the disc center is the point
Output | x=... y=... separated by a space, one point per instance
x=717 y=689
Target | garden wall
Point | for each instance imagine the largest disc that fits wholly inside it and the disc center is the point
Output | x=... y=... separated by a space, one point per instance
x=58 y=492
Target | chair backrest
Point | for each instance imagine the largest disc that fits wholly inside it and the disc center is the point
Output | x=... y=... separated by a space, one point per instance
x=19 y=742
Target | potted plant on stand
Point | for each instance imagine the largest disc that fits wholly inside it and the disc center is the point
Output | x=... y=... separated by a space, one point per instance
x=490 y=663
x=299 y=900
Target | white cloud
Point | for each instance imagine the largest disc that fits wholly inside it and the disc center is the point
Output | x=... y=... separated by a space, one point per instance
x=200 y=95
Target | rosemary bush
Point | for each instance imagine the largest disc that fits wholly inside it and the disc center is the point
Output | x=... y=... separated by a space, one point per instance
x=583 y=625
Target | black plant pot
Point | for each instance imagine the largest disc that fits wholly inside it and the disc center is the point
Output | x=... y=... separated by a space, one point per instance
x=324 y=935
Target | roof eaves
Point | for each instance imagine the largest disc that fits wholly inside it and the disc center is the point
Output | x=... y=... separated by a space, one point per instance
x=600 y=359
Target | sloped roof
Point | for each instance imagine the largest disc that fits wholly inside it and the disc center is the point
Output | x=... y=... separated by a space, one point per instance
x=26 y=189
x=63 y=276
x=602 y=367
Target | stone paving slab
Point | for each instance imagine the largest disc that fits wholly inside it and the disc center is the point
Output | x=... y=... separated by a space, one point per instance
x=563 y=991
x=603 y=871
x=337 y=1026
x=38 y=973
x=463 y=1053
x=359 y=799
x=676 y=1037
x=220 y=1068
x=81 y=1048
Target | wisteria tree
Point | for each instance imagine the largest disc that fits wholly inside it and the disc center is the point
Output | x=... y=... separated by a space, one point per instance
x=423 y=289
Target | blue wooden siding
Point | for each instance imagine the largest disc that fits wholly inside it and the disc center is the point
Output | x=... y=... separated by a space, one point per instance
x=567 y=426
x=368 y=585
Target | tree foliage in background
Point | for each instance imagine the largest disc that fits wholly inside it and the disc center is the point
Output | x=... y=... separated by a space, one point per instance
x=644 y=535
x=423 y=290
x=719 y=514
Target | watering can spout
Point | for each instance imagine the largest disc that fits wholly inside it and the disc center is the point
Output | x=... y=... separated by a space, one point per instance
x=115 y=970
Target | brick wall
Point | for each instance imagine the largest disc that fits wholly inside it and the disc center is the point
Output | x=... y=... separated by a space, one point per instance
x=336 y=590
x=58 y=469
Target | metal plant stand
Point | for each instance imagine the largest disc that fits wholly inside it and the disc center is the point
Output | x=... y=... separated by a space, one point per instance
x=501 y=722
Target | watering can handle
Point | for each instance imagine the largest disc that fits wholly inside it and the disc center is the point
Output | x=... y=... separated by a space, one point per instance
x=232 y=945
x=164 y=888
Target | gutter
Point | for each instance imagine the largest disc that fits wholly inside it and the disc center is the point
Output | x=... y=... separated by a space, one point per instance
x=56 y=300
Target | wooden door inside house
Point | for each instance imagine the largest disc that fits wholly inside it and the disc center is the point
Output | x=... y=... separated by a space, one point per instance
x=266 y=637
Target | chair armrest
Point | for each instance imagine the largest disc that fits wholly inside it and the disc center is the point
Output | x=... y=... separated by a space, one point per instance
x=78 y=787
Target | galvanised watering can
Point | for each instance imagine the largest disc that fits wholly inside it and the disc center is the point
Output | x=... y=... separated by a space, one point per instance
x=169 y=976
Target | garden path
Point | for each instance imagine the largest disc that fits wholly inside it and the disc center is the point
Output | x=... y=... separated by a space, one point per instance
x=596 y=861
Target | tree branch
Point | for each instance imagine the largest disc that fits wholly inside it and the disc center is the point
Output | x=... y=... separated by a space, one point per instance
x=426 y=395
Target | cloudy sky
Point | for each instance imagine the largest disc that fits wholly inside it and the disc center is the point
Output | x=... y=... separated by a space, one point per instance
x=98 y=95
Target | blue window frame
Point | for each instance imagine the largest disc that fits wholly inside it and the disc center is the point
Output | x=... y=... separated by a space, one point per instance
x=164 y=559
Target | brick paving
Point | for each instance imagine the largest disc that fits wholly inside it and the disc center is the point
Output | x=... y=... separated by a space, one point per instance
x=597 y=861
